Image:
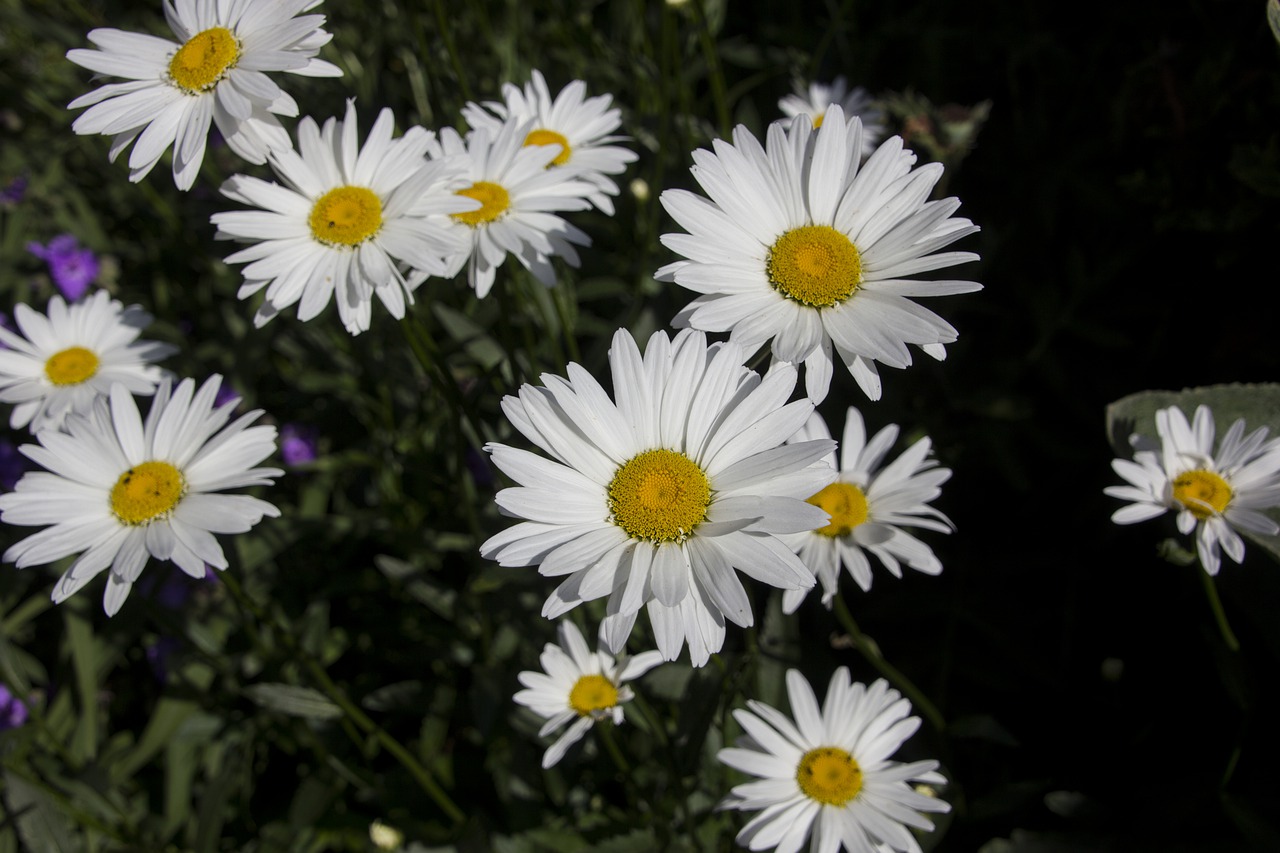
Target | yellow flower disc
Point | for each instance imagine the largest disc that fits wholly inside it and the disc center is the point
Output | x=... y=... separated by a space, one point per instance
x=829 y=775
x=346 y=216
x=814 y=265
x=1204 y=493
x=71 y=366
x=592 y=693
x=817 y=122
x=659 y=495
x=847 y=506
x=494 y=202
x=203 y=60
x=550 y=137
x=146 y=492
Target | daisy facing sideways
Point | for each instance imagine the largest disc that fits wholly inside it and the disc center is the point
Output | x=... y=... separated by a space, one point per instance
x=660 y=496
x=814 y=100
x=1213 y=493
x=118 y=491
x=213 y=74
x=576 y=685
x=828 y=773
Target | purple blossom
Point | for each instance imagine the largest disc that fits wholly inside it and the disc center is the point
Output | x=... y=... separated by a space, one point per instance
x=298 y=444
x=14 y=192
x=226 y=394
x=73 y=269
x=12 y=465
x=13 y=712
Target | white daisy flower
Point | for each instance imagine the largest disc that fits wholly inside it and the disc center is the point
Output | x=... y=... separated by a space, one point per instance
x=656 y=499
x=579 y=686
x=581 y=126
x=1214 y=494
x=117 y=491
x=213 y=73
x=73 y=356
x=832 y=768
x=801 y=244
x=870 y=503
x=813 y=101
x=343 y=219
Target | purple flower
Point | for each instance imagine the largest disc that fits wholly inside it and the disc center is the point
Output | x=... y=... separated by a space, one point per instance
x=226 y=394
x=13 y=712
x=73 y=269
x=14 y=192
x=298 y=444
x=12 y=465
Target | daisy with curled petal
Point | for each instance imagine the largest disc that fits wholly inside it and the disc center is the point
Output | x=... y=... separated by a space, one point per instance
x=656 y=499
x=64 y=361
x=213 y=73
x=118 y=491
x=1213 y=493
x=813 y=101
x=831 y=767
x=870 y=503
x=579 y=686
x=804 y=244
x=581 y=126
x=345 y=217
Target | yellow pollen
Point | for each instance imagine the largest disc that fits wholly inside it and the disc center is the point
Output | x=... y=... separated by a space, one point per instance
x=829 y=775
x=814 y=265
x=550 y=137
x=493 y=199
x=659 y=495
x=1204 y=493
x=592 y=693
x=204 y=60
x=346 y=216
x=817 y=122
x=147 y=492
x=71 y=366
x=847 y=506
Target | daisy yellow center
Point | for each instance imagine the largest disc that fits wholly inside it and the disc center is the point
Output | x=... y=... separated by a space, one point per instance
x=346 y=216
x=493 y=199
x=659 y=495
x=817 y=122
x=550 y=137
x=814 y=265
x=1204 y=493
x=847 y=506
x=204 y=59
x=829 y=775
x=146 y=492
x=592 y=693
x=71 y=366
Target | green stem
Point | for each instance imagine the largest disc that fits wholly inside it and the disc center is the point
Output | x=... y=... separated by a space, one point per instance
x=442 y=21
x=1219 y=615
x=611 y=746
x=714 y=71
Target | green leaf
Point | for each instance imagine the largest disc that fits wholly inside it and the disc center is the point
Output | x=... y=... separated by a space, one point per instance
x=169 y=715
x=79 y=634
x=40 y=823
x=294 y=701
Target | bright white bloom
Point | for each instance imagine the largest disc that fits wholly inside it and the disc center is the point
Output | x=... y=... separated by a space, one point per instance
x=344 y=218
x=659 y=497
x=801 y=244
x=581 y=126
x=579 y=686
x=117 y=491
x=869 y=506
x=73 y=356
x=814 y=100
x=214 y=73
x=831 y=767
x=1214 y=494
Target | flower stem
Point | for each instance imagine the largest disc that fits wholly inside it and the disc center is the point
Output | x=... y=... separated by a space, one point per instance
x=1219 y=615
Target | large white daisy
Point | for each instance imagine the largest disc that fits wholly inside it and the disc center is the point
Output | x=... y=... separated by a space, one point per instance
x=803 y=244
x=583 y=128
x=1213 y=493
x=74 y=355
x=656 y=499
x=814 y=100
x=831 y=767
x=870 y=503
x=214 y=73
x=117 y=491
x=343 y=219
x=576 y=685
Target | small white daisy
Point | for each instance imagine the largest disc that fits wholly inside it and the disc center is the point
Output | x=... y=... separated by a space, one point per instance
x=73 y=356
x=832 y=767
x=803 y=244
x=213 y=73
x=656 y=499
x=581 y=126
x=813 y=101
x=117 y=491
x=869 y=506
x=579 y=686
x=1214 y=494
x=344 y=218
